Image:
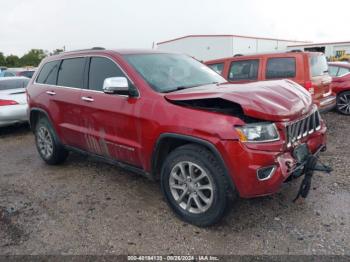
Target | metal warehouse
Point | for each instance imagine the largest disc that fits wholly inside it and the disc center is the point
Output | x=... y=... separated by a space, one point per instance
x=333 y=51
x=207 y=47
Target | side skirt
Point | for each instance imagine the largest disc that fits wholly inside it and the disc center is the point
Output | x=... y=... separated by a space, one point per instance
x=111 y=161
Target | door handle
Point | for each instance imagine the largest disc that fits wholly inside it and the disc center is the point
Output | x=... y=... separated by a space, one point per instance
x=87 y=99
x=51 y=93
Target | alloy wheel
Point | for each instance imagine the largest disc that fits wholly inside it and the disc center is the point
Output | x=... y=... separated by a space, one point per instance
x=45 y=142
x=344 y=103
x=191 y=187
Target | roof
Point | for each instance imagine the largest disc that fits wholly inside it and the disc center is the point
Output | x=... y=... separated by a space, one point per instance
x=258 y=55
x=240 y=36
x=325 y=43
x=13 y=78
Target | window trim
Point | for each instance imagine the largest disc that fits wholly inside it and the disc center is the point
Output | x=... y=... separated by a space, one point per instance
x=243 y=60
x=86 y=89
x=283 y=57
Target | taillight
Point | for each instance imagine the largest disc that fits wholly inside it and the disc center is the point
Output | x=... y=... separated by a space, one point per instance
x=7 y=102
x=308 y=87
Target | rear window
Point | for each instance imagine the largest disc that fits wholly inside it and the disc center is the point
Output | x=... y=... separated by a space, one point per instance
x=217 y=67
x=48 y=74
x=319 y=65
x=280 y=68
x=244 y=70
x=13 y=84
x=333 y=70
x=343 y=71
x=71 y=73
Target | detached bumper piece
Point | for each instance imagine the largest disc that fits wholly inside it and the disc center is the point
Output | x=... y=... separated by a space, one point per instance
x=311 y=164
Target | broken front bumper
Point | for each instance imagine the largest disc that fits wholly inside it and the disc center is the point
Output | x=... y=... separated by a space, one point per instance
x=245 y=163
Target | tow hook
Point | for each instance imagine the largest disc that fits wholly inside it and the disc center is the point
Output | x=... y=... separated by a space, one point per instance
x=310 y=166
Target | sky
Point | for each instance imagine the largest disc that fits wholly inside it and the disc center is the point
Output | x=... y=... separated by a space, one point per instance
x=77 y=24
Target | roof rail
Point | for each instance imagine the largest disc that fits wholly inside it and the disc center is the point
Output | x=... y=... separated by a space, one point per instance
x=236 y=55
x=98 y=48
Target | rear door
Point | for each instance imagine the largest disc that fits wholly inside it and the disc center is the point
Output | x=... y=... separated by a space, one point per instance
x=61 y=82
x=109 y=120
x=321 y=80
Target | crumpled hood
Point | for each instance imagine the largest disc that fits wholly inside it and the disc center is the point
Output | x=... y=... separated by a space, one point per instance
x=280 y=100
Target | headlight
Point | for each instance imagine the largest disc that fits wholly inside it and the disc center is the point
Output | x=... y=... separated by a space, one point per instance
x=259 y=132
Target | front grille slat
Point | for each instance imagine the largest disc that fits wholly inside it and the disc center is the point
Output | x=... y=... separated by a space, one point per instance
x=302 y=128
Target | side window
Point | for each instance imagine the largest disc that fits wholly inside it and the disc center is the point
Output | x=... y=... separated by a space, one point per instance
x=244 y=70
x=48 y=73
x=8 y=74
x=71 y=72
x=333 y=70
x=342 y=71
x=217 y=67
x=100 y=69
x=280 y=68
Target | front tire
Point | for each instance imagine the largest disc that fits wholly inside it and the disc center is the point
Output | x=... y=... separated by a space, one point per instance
x=47 y=143
x=195 y=185
x=343 y=103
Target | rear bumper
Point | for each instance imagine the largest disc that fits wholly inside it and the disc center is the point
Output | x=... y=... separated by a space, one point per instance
x=13 y=114
x=326 y=104
x=244 y=163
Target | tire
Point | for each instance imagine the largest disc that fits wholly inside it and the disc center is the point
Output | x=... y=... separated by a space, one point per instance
x=47 y=143
x=178 y=191
x=343 y=103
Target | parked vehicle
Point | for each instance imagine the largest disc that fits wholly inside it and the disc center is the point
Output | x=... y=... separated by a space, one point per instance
x=169 y=117
x=308 y=69
x=13 y=101
x=17 y=72
x=340 y=71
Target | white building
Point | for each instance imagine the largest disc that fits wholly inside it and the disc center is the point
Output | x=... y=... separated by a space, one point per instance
x=208 y=47
x=335 y=49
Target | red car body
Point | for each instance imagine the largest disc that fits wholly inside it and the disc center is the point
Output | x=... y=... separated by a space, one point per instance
x=140 y=131
x=300 y=69
x=340 y=71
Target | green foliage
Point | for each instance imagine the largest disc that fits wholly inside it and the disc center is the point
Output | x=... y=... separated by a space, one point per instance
x=2 y=59
x=12 y=61
x=32 y=58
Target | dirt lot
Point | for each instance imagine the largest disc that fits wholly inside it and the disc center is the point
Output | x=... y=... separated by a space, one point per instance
x=87 y=207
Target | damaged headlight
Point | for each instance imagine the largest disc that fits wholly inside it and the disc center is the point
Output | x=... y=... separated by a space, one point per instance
x=259 y=132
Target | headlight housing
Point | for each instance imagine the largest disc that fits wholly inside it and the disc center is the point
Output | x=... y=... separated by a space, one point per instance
x=258 y=132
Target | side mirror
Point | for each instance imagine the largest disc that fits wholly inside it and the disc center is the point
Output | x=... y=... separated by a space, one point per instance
x=116 y=85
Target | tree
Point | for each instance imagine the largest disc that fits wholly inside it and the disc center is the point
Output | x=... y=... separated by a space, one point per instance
x=2 y=59
x=12 y=61
x=33 y=57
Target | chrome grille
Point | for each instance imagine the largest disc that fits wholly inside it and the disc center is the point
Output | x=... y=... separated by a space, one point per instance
x=303 y=128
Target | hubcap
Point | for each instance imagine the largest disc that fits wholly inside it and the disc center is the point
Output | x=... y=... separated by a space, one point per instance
x=45 y=143
x=191 y=187
x=344 y=104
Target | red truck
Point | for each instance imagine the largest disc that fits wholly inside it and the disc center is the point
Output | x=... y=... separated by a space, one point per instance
x=171 y=118
x=308 y=69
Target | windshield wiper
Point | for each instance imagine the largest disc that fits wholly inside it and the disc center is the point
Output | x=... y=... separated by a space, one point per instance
x=186 y=87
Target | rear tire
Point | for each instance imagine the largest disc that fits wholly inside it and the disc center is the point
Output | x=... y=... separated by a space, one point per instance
x=47 y=143
x=195 y=185
x=343 y=103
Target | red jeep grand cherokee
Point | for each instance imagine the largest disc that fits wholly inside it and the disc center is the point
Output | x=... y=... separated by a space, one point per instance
x=169 y=117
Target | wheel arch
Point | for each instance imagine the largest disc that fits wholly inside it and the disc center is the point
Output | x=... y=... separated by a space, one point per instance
x=34 y=116
x=167 y=142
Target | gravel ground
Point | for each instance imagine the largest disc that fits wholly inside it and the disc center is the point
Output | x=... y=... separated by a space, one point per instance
x=87 y=207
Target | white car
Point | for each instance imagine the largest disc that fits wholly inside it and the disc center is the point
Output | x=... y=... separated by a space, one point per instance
x=13 y=100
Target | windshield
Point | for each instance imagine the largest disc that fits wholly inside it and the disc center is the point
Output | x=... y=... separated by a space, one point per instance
x=319 y=65
x=171 y=72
